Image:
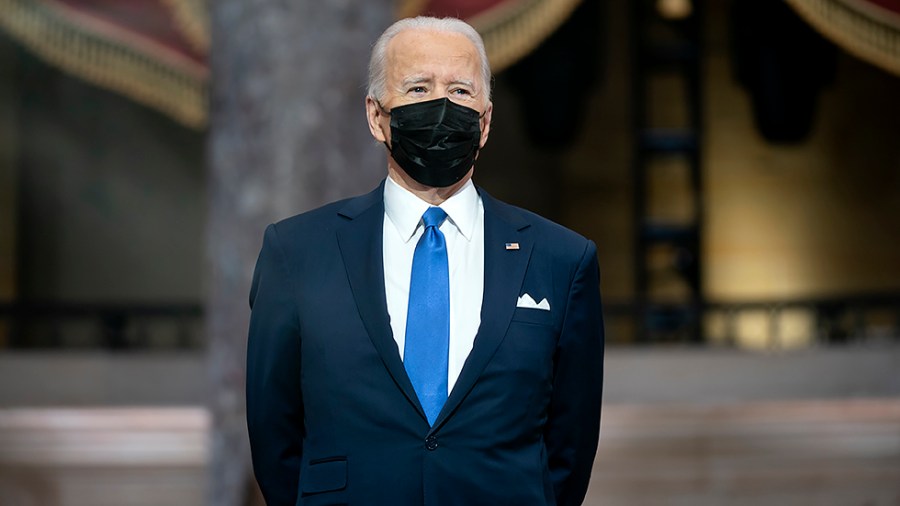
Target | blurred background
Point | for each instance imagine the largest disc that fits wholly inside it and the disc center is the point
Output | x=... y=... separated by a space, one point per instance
x=737 y=163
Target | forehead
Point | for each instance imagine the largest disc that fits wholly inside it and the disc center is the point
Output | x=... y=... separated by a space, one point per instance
x=415 y=51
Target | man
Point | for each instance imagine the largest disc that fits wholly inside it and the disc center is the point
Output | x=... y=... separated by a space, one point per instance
x=425 y=343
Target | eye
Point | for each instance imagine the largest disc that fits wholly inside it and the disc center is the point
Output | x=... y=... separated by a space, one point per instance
x=418 y=90
x=461 y=92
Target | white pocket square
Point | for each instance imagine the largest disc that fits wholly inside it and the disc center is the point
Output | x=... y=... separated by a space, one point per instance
x=527 y=301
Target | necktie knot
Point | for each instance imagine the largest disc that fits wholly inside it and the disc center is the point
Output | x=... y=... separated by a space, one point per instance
x=433 y=217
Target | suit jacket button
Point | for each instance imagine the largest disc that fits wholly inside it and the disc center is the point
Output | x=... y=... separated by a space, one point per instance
x=431 y=443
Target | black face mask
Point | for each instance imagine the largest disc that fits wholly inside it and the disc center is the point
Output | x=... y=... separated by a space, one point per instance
x=435 y=142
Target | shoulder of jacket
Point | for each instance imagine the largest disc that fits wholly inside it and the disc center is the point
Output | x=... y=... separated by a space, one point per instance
x=547 y=233
x=328 y=216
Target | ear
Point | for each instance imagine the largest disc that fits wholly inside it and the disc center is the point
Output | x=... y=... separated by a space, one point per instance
x=486 y=124
x=375 y=117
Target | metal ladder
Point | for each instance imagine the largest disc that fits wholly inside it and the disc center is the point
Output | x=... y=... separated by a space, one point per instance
x=666 y=46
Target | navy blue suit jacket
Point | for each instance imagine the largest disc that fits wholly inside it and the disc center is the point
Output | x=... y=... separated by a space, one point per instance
x=332 y=415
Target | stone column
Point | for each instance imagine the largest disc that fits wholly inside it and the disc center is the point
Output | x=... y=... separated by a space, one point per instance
x=287 y=134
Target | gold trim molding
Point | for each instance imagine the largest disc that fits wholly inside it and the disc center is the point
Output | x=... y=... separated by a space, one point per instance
x=193 y=22
x=866 y=31
x=175 y=88
x=512 y=29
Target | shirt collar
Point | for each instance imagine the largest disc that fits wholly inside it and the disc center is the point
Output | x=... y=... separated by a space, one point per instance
x=404 y=209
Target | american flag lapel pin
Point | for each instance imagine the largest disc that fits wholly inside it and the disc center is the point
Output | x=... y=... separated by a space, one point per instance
x=512 y=246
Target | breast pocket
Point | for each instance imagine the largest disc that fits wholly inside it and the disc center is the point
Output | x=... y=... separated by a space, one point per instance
x=524 y=362
x=533 y=316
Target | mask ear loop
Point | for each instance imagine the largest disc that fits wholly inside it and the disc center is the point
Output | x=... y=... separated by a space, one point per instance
x=478 y=148
x=386 y=113
x=381 y=107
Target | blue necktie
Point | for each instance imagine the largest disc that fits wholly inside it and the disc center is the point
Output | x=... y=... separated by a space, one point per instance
x=427 y=345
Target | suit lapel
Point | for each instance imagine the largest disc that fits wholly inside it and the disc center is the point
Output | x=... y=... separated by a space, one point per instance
x=504 y=274
x=360 y=241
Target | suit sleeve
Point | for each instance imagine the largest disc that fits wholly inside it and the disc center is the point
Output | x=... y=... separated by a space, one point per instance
x=274 y=400
x=573 y=423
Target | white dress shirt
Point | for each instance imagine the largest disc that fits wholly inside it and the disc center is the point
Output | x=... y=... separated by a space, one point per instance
x=464 y=232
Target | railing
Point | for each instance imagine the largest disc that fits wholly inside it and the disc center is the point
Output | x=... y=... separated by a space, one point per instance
x=110 y=326
x=824 y=320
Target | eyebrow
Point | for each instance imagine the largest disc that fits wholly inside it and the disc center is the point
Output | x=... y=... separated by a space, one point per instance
x=428 y=79
x=464 y=82
x=417 y=80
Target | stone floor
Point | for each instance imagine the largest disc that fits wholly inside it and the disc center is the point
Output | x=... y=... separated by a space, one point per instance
x=103 y=456
x=840 y=453
x=822 y=453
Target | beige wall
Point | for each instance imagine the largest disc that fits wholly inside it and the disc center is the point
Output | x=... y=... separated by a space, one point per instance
x=112 y=196
x=816 y=219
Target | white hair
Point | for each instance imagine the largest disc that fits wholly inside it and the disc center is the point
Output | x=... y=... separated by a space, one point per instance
x=378 y=64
